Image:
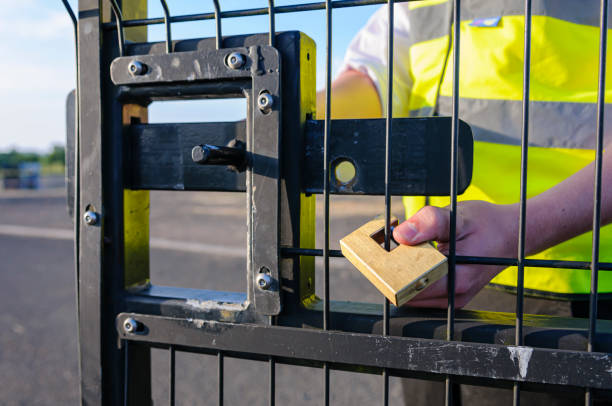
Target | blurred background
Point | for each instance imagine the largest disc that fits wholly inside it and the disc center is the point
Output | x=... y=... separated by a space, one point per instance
x=198 y=239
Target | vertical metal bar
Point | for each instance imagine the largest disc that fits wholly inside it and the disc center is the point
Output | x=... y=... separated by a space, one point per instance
x=167 y=24
x=126 y=374
x=119 y=22
x=72 y=18
x=76 y=183
x=327 y=129
x=450 y=320
x=129 y=214
x=272 y=22
x=272 y=381
x=218 y=24
x=220 y=378
x=389 y=129
x=272 y=372
x=171 y=391
x=90 y=265
x=518 y=339
x=101 y=266
x=601 y=93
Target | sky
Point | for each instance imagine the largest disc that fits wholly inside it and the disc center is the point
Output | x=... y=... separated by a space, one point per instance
x=37 y=70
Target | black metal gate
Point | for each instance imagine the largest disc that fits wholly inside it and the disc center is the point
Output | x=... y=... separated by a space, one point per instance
x=279 y=158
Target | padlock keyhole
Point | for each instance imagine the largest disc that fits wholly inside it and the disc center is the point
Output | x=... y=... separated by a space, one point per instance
x=379 y=237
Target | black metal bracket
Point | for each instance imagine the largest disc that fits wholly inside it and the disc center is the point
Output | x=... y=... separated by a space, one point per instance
x=419 y=160
x=192 y=66
x=260 y=64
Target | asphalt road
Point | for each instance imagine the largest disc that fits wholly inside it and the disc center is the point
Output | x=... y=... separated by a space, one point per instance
x=197 y=241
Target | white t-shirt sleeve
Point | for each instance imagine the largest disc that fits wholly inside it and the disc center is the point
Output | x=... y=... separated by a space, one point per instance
x=367 y=53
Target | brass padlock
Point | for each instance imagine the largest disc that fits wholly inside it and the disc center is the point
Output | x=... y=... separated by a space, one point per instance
x=398 y=274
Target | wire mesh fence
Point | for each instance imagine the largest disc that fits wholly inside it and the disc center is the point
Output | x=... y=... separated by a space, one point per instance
x=273 y=321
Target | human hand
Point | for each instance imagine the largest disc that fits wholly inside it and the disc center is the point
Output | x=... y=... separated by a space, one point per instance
x=483 y=229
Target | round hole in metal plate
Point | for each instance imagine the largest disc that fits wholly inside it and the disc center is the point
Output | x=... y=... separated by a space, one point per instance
x=344 y=172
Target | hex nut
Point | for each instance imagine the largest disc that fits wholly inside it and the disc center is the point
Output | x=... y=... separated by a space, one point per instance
x=137 y=68
x=235 y=60
x=91 y=218
x=265 y=101
x=264 y=281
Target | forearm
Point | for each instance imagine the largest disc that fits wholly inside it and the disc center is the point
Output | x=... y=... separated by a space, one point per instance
x=566 y=210
x=353 y=96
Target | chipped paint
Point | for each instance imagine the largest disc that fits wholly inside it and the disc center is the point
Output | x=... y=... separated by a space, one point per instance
x=213 y=305
x=522 y=355
x=199 y=323
x=198 y=68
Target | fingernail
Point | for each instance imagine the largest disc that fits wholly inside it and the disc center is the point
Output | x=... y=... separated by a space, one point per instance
x=408 y=231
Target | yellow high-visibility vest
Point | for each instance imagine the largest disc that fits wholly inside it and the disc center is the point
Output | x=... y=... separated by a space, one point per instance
x=562 y=125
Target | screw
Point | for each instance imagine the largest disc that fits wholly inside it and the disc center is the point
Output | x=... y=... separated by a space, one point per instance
x=90 y=218
x=235 y=60
x=264 y=282
x=420 y=285
x=265 y=102
x=130 y=325
x=137 y=68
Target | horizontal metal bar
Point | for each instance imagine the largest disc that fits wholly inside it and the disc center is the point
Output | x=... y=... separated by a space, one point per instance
x=419 y=164
x=462 y=259
x=536 y=263
x=475 y=326
x=309 y=252
x=477 y=360
x=185 y=302
x=205 y=90
x=250 y=12
x=193 y=66
x=161 y=157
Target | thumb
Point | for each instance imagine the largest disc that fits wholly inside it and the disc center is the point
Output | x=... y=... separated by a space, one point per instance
x=429 y=223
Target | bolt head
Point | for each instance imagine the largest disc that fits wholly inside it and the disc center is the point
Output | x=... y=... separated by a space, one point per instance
x=130 y=325
x=265 y=102
x=235 y=60
x=137 y=68
x=90 y=218
x=264 y=281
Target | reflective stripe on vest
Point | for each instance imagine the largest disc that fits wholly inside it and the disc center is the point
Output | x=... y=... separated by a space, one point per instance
x=564 y=54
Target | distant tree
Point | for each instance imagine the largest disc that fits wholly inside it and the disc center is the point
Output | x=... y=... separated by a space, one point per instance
x=56 y=156
x=14 y=157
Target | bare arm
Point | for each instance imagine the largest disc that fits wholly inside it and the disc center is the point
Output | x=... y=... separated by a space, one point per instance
x=566 y=210
x=353 y=96
x=485 y=229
